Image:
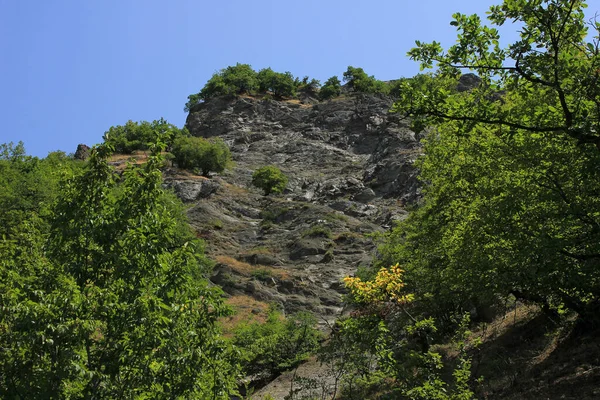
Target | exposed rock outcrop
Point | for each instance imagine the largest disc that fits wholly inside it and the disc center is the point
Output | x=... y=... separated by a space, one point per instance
x=82 y=152
x=350 y=168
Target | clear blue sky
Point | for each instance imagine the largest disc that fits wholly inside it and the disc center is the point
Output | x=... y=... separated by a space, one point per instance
x=70 y=69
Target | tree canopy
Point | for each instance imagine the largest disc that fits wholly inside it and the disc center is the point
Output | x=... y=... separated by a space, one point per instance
x=510 y=206
x=511 y=166
x=132 y=136
x=270 y=179
x=108 y=299
x=206 y=155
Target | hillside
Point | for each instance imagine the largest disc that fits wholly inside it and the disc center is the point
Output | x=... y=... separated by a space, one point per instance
x=350 y=164
x=350 y=168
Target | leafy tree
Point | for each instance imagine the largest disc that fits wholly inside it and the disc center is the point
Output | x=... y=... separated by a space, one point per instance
x=270 y=179
x=360 y=82
x=384 y=346
x=206 y=155
x=194 y=99
x=114 y=304
x=278 y=344
x=280 y=84
x=332 y=88
x=236 y=79
x=512 y=170
x=133 y=136
x=29 y=184
x=308 y=85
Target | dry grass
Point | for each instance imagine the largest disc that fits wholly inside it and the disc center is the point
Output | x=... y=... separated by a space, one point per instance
x=415 y=151
x=258 y=250
x=296 y=101
x=188 y=175
x=246 y=269
x=138 y=157
x=246 y=309
x=503 y=324
x=235 y=191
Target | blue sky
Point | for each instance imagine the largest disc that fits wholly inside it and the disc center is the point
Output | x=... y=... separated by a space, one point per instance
x=71 y=69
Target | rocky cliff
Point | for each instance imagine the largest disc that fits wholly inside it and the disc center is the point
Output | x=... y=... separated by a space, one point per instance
x=350 y=165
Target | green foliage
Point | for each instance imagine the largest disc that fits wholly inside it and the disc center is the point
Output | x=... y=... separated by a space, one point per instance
x=193 y=99
x=241 y=78
x=270 y=179
x=199 y=153
x=308 y=85
x=29 y=184
x=332 y=88
x=236 y=79
x=278 y=344
x=262 y=274
x=125 y=139
x=512 y=171
x=392 y=353
x=360 y=82
x=280 y=84
x=318 y=231
x=111 y=302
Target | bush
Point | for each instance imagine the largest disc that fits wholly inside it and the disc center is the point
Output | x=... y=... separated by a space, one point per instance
x=132 y=136
x=270 y=179
x=332 y=88
x=278 y=344
x=309 y=86
x=318 y=231
x=360 y=82
x=280 y=84
x=237 y=79
x=206 y=155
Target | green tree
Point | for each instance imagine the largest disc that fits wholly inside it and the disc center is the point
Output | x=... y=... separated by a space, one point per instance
x=280 y=84
x=307 y=85
x=278 y=344
x=125 y=139
x=206 y=155
x=512 y=168
x=360 y=82
x=236 y=79
x=114 y=304
x=332 y=88
x=270 y=179
x=29 y=184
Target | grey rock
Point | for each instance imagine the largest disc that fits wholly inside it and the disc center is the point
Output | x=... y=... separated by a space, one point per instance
x=365 y=196
x=308 y=247
x=188 y=190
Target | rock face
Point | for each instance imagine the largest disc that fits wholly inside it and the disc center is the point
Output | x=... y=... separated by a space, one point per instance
x=82 y=152
x=350 y=169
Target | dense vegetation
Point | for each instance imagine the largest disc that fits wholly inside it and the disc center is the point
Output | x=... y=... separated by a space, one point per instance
x=510 y=208
x=270 y=179
x=202 y=154
x=103 y=288
x=103 y=294
x=242 y=79
x=132 y=136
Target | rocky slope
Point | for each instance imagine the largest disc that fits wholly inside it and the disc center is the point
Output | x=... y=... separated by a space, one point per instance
x=350 y=164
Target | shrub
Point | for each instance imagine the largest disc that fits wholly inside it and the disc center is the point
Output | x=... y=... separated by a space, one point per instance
x=270 y=179
x=308 y=85
x=360 y=82
x=206 y=155
x=262 y=274
x=332 y=88
x=280 y=84
x=237 y=79
x=318 y=231
x=132 y=136
x=278 y=344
